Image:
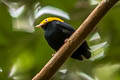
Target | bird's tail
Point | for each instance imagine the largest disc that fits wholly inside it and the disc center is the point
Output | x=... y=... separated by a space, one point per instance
x=82 y=51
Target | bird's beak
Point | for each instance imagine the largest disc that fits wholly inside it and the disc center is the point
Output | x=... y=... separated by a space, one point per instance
x=39 y=25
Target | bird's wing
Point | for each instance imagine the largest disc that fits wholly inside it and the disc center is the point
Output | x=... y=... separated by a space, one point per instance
x=65 y=26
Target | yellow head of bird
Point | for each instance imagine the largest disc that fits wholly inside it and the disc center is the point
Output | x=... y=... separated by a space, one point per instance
x=49 y=19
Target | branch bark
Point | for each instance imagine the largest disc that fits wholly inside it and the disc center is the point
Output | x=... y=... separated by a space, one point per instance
x=75 y=40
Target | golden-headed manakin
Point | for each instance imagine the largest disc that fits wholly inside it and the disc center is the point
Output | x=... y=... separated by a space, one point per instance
x=57 y=31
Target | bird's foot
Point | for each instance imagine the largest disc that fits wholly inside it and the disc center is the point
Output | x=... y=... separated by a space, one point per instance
x=53 y=54
x=68 y=40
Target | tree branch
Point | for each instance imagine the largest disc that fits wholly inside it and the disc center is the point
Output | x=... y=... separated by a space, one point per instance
x=75 y=40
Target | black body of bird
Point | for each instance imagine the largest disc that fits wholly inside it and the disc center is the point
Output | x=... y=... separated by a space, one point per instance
x=56 y=32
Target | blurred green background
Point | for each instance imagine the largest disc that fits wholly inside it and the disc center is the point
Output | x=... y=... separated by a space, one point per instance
x=24 y=51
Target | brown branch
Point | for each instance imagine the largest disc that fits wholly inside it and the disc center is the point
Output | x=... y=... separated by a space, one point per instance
x=75 y=40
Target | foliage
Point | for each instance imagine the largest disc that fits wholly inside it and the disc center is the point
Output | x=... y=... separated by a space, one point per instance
x=24 y=51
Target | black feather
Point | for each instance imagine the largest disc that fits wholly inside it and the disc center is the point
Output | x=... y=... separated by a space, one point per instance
x=56 y=32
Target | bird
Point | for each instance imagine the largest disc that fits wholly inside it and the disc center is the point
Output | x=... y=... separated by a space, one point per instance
x=56 y=32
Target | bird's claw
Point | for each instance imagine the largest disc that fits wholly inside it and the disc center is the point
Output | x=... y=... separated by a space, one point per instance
x=68 y=40
x=53 y=55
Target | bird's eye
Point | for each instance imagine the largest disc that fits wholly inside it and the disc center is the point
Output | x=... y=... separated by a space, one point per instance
x=46 y=20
